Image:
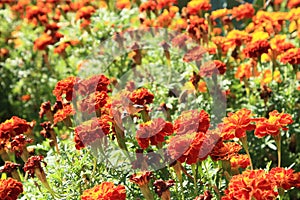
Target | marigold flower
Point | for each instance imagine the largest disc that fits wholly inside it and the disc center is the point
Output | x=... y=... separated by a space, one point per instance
x=91 y=130
x=18 y=143
x=32 y=163
x=206 y=196
x=256 y=49
x=106 y=190
x=273 y=125
x=65 y=87
x=162 y=187
x=93 y=102
x=165 y=3
x=92 y=84
x=238 y=37
x=251 y=184
x=243 y=11
x=195 y=6
x=212 y=67
x=43 y=41
x=194 y=54
x=282 y=178
x=15 y=126
x=9 y=167
x=85 y=12
x=37 y=14
x=192 y=121
x=63 y=113
x=268 y=76
x=141 y=178
x=149 y=5
x=191 y=147
x=153 y=132
x=141 y=96
x=291 y=56
x=236 y=124
x=198 y=28
x=239 y=161
x=10 y=189
x=225 y=151
x=217 y=14
x=164 y=20
x=122 y=4
x=246 y=70
x=293 y=4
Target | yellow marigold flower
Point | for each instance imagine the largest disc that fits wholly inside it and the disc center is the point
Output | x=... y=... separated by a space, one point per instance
x=259 y=35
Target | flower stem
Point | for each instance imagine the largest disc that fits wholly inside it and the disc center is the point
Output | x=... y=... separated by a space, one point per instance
x=277 y=139
x=245 y=146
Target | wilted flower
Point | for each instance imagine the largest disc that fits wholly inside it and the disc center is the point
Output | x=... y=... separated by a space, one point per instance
x=153 y=132
x=106 y=190
x=10 y=189
x=142 y=180
x=161 y=188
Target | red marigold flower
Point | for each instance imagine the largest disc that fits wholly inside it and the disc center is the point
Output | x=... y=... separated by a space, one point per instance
x=141 y=96
x=93 y=102
x=90 y=131
x=37 y=14
x=236 y=124
x=195 y=6
x=291 y=56
x=194 y=54
x=45 y=108
x=106 y=190
x=198 y=29
x=239 y=161
x=250 y=184
x=32 y=163
x=10 y=189
x=18 y=144
x=43 y=41
x=153 y=132
x=225 y=151
x=282 y=178
x=256 y=49
x=141 y=178
x=220 y=66
x=191 y=147
x=15 y=126
x=243 y=11
x=212 y=67
x=92 y=84
x=9 y=167
x=273 y=125
x=161 y=186
x=192 y=121
x=65 y=87
x=206 y=196
x=63 y=113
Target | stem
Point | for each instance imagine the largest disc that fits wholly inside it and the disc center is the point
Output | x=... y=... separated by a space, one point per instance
x=194 y=166
x=277 y=139
x=245 y=146
x=146 y=192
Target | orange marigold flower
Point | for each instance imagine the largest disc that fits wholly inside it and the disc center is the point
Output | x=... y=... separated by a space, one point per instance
x=141 y=96
x=37 y=13
x=32 y=163
x=85 y=12
x=92 y=84
x=273 y=125
x=106 y=190
x=236 y=124
x=251 y=184
x=165 y=3
x=225 y=151
x=192 y=121
x=195 y=6
x=293 y=4
x=243 y=11
x=239 y=161
x=256 y=49
x=122 y=4
x=153 y=132
x=149 y=5
x=93 y=102
x=91 y=130
x=191 y=147
x=10 y=189
x=63 y=113
x=244 y=70
x=141 y=178
x=43 y=41
x=291 y=56
x=65 y=87
x=216 y=14
x=238 y=37
x=164 y=20
x=282 y=178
